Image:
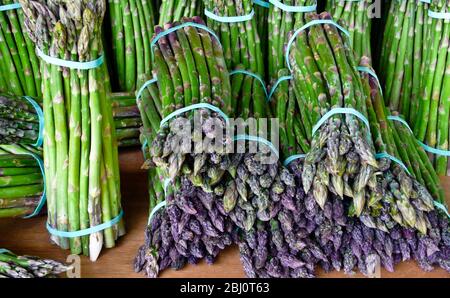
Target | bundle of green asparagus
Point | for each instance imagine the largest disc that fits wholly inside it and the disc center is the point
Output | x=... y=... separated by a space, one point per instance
x=81 y=155
x=132 y=25
x=14 y=266
x=341 y=157
x=403 y=56
x=431 y=123
x=19 y=121
x=174 y=10
x=280 y=23
x=127 y=119
x=240 y=40
x=19 y=65
x=355 y=15
x=21 y=181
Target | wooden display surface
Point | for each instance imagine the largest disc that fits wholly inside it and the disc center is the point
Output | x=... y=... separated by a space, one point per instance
x=30 y=237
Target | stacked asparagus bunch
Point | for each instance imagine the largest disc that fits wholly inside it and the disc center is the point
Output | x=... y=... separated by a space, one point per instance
x=81 y=157
x=19 y=121
x=14 y=266
x=127 y=119
x=174 y=10
x=21 y=181
x=280 y=23
x=403 y=56
x=132 y=25
x=431 y=123
x=355 y=15
x=19 y=65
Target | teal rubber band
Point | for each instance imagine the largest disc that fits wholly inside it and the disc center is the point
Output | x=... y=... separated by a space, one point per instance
x=442 y=208
x=71 y=64
x=229 y=19
x=85 y=232
x=426 y=1
x=263 y=84
x=371 y=72
x=40 y=114
x=292 y=158
x=4 y=251
x=336 y=111
x=154 y=210
x=262 y=3
x=439 y=15
x=43 y=199
x=259 y=140
x=289 y=8
x=173 y=29
x=194 y=107
x=306 y=26
x=143 y=148
x=146 y=84
x=425 y=147
x=166 y=185
x=394 y=159
x=277 y=83
x=10 y=6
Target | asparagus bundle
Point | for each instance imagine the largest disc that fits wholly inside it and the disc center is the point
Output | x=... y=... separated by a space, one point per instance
x=19 y=65
x=127 y=119
x=14 y=266
x=21 y=181
x=356 y=17
x=132 y=23
x=19 y=121
x=174 y=10
x=240 y=40
x=81 y=157
x=281 y=22
x=403 y=56
x=431 y=124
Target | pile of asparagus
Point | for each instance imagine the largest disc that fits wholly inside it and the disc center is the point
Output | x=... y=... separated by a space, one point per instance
x=19 y=121
x=132 y=27
x=21 y=181
x=355 y=16
x=19 y=65
x=404 y=54
x=81 y=156
x=127 y=119
x=14 y=266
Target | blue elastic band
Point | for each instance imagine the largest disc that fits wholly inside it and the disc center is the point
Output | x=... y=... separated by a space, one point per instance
x=71 y=64
x=229 y=19
x=442 y=208
x=394 y=159
x=10 y=6
x=40 y=114
x=144 y=148
x=173 y=29
x=277 y=83
x=425 y=147
x=194 y=107
x=146 y=84
x=306 y=26
x=166 y=185
x=289 y=8
x=263 y=84
x=426 y=1
x=439 y=15
x=373 y=74
x=85 y=232
x=259 y=140
x=292 y=158
x=4 y=250
x=262 y=3
x=336 y=111
x=44 y=190
x=154 y=210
